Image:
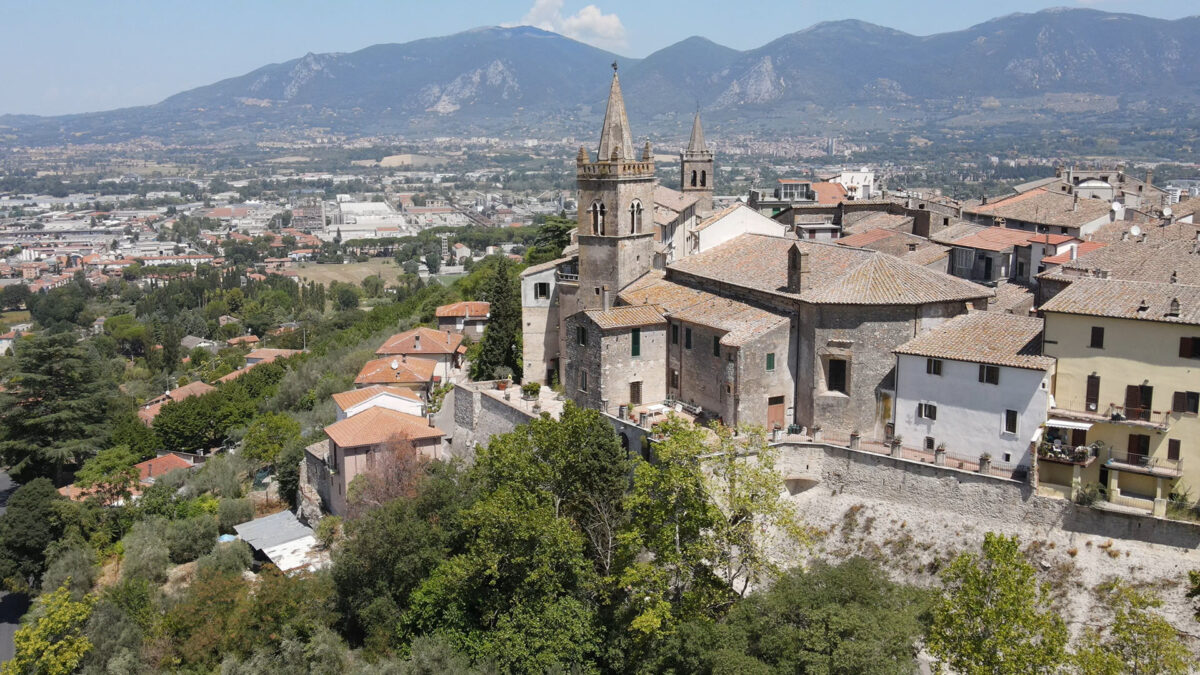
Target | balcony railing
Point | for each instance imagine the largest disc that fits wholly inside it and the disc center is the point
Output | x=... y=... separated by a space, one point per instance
x=566 y=276
x=1139 y=416
x=1066 y=454
x=1155 y=466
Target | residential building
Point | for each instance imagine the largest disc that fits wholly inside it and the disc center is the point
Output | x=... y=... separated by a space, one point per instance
x=465 y=318
x=150 y=410
x=416 y=374
x=1044 y=211
x=400 y=399
x=439 y=346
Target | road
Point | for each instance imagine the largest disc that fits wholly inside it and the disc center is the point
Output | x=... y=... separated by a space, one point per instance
x=12 y=607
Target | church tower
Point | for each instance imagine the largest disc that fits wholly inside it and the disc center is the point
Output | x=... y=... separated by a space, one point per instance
x=696 y=169
x=616 y=207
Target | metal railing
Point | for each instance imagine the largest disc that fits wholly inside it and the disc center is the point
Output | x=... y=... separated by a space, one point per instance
x=1151 y=464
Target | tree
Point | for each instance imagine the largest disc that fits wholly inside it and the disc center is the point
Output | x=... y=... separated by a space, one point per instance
x=1139 y=641
x=433 y=262
x=14 y=296
x=110 y=475
x=345 y=296
x=268 y=436
x=994 y=616
x=501 y=343
x=52 y=643
x=373 y=286
x=28 y=527
x=55 y=408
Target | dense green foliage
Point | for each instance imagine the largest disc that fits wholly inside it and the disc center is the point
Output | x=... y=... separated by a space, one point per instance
x=501 y=343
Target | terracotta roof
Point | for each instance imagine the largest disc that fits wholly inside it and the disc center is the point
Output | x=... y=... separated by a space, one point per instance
x=1045 y=206
x=407 y=371
x=546 y=265
x=995 y=239
x=653 y=289
x=1012 y=297
x=839 y=274
x=153 y=468
x=868 y=237
x=631 y=316
x=1124 y=299
x=269 y=355
x=994 y=338
x=1154 y=261
x=829 y=193
x=673 y=199
x=148 y=412
x=926 y=255
x=1151 y=230
x=236 y=374
x=421 y=340
x=378 y=425
x=955 y=230
x=1081 y=249
x=348 y=399
x=740 y=321
x=466 y=308
x=243 y=340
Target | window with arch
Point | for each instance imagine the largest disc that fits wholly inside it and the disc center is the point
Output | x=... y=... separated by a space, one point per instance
x=635 y=216
x=597 y=212
x=703 y=178
x=693 y=179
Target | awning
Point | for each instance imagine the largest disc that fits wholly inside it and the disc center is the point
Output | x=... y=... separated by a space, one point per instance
x=1068 y=424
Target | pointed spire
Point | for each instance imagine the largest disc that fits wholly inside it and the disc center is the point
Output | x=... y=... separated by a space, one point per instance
x=696 y=144
x=616 y=138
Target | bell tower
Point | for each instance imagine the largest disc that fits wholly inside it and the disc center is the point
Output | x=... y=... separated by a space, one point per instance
x=696 y=169
x=616 y=207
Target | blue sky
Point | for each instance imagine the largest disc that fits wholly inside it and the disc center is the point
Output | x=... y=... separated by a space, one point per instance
x=64 y=56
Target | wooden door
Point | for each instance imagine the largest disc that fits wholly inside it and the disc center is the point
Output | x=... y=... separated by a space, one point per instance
x=775 y=413
x=1139 y=449
x=1078 y=437
x=1133 y=402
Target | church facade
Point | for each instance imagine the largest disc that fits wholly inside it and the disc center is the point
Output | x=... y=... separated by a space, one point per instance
x=664 y=302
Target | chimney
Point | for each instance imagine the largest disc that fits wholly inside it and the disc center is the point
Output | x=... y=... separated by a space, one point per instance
x=606 y=298
x=417 y=342
x=429 y=417
x=1150 y=176
x=798 y=269
x=1074 y=252
x=1075 y=204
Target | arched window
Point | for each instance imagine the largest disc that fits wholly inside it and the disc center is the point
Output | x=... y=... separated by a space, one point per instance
x=703 y=178
x=693 y=179
x=635 y=216
x=597 y=212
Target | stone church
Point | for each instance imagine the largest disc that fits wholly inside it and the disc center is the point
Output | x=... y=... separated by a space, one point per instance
x=660 y=302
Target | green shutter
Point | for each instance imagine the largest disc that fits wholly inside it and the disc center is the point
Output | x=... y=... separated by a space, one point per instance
x=771 y=361
x=636 y=342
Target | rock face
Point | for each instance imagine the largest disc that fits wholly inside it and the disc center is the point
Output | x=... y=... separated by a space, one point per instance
x=528 y=81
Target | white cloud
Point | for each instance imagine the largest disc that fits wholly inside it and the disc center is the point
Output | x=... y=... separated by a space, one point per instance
x=589 y=24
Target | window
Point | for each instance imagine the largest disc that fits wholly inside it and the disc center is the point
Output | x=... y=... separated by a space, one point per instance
x=1010 y=422
x=1186 y=402
x=541 y=290
x=674 y=379
x=1189 y=347
x=687 y=338
x=1139 y=398
x=1097 y=337
x=836 y=378
x=989 y=374
x=1093 y=393
x=930 y=443
x=716 y=345
x=1139 y=448
x=1173 y=449
x=583 y=381
x=635 y=342
x=703 y=178
x=927 y=411
x=933 y=366
x=770 y=362
x=635 y=393
x=581 y=335
x=674 y=333
x=635 y=216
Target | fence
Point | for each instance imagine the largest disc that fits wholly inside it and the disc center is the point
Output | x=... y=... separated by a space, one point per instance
x=952 y=460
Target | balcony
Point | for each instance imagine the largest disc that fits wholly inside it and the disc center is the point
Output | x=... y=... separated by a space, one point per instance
x=1066 y=454
x=1142 y=418
x=566 y=276
x=1159 y=467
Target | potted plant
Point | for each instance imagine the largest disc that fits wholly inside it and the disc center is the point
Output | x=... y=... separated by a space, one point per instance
x=531 y=390
x=503 y=375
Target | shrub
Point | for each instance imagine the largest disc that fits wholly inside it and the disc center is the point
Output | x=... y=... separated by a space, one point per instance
x=226 y=558
x=76 y=564
x=232 y=512
x=145 y=556
x=531 y=389
x=328 y=531
x=191 y=538
x=221 y=475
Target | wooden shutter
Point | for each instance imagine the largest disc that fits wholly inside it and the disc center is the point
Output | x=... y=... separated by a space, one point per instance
x=1093 y=391
x=1179 y=402
x=1173 y=449
x=1185 y=347
x=1133 y=398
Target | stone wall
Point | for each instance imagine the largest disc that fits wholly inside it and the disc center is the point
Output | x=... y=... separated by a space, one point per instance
x=478 y=417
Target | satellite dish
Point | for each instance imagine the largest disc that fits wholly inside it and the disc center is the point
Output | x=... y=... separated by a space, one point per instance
x=1117 y=206
x=1167 y=212
x=396 y=364
x=1135 y=231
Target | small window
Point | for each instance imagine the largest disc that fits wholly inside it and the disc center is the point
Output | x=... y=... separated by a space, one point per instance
x=1189 y=347
x=989 y=374
x=1173 y=449
x=635 y=342
x=836 y=380
x=927 y=411
x=1010 y=422
x=1097 y=337
x=635 y=393
x=1186 y=402
x=930 y=444
x=770 y=362
x=716 y=345
x=674 y=333
x=583 y=381
x=674 y=379
x=581 y=335
x=541 y=290
x=687 y=338
x=933 y=366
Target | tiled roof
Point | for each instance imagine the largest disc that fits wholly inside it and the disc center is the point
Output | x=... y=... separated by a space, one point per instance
x=829 y=193
x=190 y=389
x=995 y=239
x=379 y=425
x=719 y=215
x=1082 y=249
x=153 y=468
x=652 y=289
x=926 y=255
x=1046 y=207
x=956 y=230
x=630 y=316
x=839 y=274
x=421 y=340
x=865 y=221
x=407 y=371
x=243 y=340
x=546 y=265
x=1154 y=261
x=266 y=355
x=1151 y=231
x=740 y=322
x=466 y=308
x=861 y=239
x=673 y=199
x=348 y=399
x=994 y=338
x=1122 y=299
x=1012 y=297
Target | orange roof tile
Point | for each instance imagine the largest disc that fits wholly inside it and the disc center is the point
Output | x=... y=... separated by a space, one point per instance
x=378 y=425
x=466 y=308
x=348 y=399
x=153 y=468
x=396 y=370
x=1065 y=256
x=421 y=341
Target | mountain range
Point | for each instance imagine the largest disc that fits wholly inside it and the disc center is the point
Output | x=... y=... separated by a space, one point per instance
x=831 y=78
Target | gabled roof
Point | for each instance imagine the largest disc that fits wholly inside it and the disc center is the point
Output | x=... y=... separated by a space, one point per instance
x=886 y=280
x=348 y=399
x=190 y=389
x=829 y=193
x=1082 y=249
x=378 y=425
x=626 y=316
x=1122 y=299
x=410 y=370
x=549 y=265
x=994 y=239
x=673 y=199
x=1048 y=207
x=153 y=468
x=1155 y=261
x=466 y=308
x=739 y=321
x=994 y=338
x=268 y=355
x=421 y=340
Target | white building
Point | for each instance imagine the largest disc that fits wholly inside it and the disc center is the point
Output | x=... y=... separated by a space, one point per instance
x=978 y=384
x=400 y=399
x=859 y=184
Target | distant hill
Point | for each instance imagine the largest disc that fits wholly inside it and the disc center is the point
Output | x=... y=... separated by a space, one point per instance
x=833 y=77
